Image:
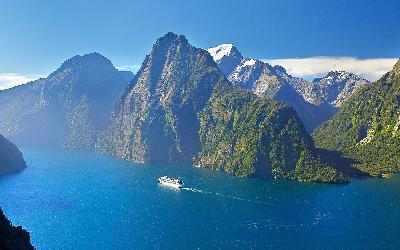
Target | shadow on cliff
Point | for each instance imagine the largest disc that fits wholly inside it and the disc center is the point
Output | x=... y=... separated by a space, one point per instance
x=341 y=163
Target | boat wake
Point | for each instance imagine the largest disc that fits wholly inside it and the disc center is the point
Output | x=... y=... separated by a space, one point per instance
x=225 y=196
x=196 y=190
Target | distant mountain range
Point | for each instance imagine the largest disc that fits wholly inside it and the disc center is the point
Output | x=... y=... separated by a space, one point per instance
x=211 y=108
x=367 y=127
x=315 y=102
x=68 y=108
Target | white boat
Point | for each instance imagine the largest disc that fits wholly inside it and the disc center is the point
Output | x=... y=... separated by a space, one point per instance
x=170 y=182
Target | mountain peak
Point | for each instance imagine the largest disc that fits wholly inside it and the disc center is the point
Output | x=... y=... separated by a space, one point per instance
x=87 y=60
x=336 y=73
x=278 y=68
x=169 y=38
x=338 y=76
x=223 y=50
x=227 y=56
x=93 y=56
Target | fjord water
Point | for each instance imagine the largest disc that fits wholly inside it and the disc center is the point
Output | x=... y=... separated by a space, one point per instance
x=70 y=200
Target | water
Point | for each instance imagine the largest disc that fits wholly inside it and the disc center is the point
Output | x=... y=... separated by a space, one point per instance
x=88 y=201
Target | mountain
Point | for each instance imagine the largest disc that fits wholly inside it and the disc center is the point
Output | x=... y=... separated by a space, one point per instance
x=156 y=120
x=66 y=109
x=227 y=56
x=181 y=109
x=11 y=159
x=337 y=86
x=367 y=126
x=315 y=102
x=12 y=237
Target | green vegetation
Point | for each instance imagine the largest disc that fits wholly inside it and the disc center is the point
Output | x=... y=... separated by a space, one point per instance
x=156 y=120
x=250 y=136
x=367 y=127
x=81 y=133
x=181 y=109
x=311 y=168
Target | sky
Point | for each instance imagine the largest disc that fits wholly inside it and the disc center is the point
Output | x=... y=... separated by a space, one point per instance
x=309 y=38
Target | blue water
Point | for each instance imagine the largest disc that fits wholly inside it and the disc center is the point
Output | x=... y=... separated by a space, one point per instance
x=89 y=201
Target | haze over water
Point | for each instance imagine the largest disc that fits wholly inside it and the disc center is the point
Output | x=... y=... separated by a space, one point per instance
x=69 y=200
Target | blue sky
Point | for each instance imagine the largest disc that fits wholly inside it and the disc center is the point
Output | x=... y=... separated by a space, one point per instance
x=37 y=36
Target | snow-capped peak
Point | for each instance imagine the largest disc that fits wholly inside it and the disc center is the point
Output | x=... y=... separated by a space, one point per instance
x=342 y=75
x=226 y=56
x=218 y=52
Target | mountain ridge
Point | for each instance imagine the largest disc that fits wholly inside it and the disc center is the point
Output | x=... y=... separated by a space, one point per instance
x=67 y=108
x=367 y=126
x=315 y=102
x=181 y=109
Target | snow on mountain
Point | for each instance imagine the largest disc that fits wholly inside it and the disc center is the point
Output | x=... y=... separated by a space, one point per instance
x=220 y=51
x=323 y=95
x=337 y=86
x=227 y=56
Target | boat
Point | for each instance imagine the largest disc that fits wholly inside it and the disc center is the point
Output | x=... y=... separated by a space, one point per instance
x=171 y=182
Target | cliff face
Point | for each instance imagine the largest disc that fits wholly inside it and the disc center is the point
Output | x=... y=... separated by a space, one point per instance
x=367 y=127
x=67 y=109
x=156 y=120
x=250 y=136
x=11 y=159
x=181 y=109
x=12 y=237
